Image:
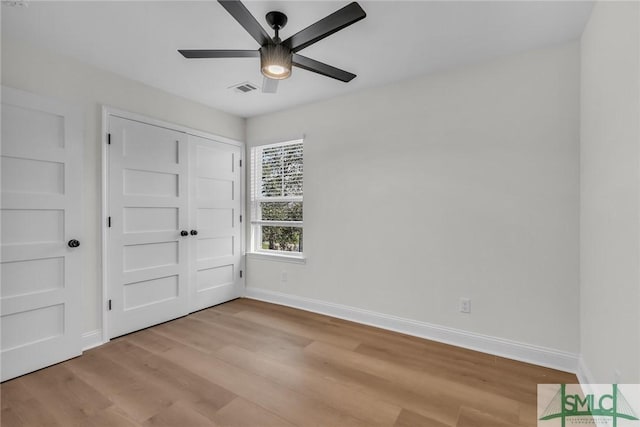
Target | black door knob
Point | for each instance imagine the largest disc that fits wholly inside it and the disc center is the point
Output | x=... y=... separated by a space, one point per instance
x=194 y=232
x=73 y=243
x=184 y=233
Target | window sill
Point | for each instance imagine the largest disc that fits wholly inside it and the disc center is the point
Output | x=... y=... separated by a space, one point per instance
x=277 y=257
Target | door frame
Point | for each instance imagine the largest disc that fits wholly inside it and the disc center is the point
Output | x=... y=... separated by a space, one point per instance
x=108 y=111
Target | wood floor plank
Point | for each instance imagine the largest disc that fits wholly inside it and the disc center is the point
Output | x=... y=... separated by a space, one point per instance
x=503 y=377
x=300 y=329
x=66 y=397
x=97 y=369
x=142 y=400
x=529 y=415
x=10 y=417
x=150 y=341
x=225 y=336
x=110 y=417
x=368 y=334
x=178 y=331
x=487 y=378
x=243 y=413
x=364 y=333
x=13 y=393
x=374 y=412
x=230 y=307
x=470 y=417
x=430 y=386
x=278 y=399
x=379 y=388
x=263 y=333
x=21 y=408
x=172 y=380
x=408 y=418
x=179 y=414
x=250 y=363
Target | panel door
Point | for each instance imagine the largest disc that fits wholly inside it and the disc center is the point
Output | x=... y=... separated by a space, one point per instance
x=216 y=206
x=148 y=256
x=40 y=291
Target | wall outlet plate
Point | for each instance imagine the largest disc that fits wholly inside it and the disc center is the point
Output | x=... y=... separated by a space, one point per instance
x=465 y=305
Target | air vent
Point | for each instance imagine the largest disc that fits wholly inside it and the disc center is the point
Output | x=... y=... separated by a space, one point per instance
x=244 y=87
x=15 y=3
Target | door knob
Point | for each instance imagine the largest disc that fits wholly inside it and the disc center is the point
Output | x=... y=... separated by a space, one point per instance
x=73 y=243
x=194 y=232
x=184 y=233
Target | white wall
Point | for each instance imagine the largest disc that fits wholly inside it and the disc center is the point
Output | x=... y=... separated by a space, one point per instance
x=42 y=72
x=610 y=194
x=458 y=184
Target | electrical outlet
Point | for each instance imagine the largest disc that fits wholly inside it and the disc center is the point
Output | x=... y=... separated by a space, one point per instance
x=465 y=305
x=284 y=276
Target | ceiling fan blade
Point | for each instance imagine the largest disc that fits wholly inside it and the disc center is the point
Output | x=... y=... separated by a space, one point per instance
x=269 y=85
x=246 y=19
x=321 y=68
x=338 y=20
x=203 y=53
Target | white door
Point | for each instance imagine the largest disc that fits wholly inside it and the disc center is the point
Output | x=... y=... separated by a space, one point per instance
x=41 y=161
x=148 y=255
x=215 y=211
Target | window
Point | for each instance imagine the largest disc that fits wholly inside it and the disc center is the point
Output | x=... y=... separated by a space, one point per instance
x=276 y=198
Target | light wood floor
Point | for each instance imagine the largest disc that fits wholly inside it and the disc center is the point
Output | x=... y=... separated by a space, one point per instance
x=248 y=363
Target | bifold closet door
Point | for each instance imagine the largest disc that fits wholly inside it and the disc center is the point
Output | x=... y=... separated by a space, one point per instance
x=148 y=201
x=174 y=233
x=215 y=211
x=41 y=215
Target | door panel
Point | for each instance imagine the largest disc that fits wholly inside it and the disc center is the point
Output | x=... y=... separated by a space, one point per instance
x=145 y=219
x=215 y=211
x=149 y=255
x=32 y=176
x=148 y=258
x=40 y=291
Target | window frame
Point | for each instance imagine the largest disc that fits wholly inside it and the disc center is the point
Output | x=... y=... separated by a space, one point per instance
x=256 y=222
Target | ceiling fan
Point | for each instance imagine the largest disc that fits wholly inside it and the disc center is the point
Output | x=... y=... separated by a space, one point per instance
x=276 y=56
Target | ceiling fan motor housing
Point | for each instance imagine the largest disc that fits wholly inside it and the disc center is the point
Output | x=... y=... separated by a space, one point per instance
x=275 y=61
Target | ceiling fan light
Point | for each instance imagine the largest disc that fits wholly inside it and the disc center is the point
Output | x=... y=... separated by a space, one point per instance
x=275 y=61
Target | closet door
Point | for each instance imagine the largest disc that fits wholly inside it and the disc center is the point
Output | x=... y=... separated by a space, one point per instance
x=148 y=196
x=215 y=211
x=41 y=218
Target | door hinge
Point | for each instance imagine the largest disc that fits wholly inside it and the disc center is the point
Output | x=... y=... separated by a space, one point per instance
x=241 y=274
x=109 y=139
x=109 y=305
x=240 y=162
x=240 y=218
x=109 y=222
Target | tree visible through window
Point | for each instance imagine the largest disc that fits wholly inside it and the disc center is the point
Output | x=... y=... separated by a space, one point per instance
x=277 y=190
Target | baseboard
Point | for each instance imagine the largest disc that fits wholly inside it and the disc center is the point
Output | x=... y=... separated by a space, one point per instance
x=91 y=339
x=537 y=355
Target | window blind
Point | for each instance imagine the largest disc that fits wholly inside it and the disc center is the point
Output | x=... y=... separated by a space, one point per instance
x=277 y=196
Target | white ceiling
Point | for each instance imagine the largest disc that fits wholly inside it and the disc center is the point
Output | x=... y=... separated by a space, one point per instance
x=397 y=40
